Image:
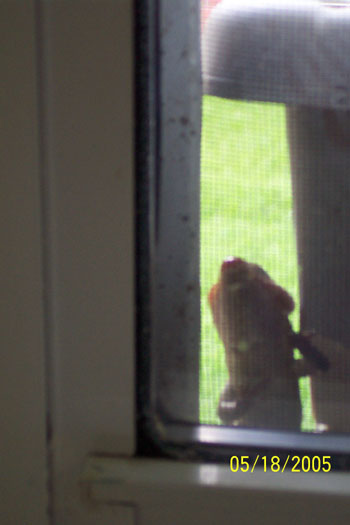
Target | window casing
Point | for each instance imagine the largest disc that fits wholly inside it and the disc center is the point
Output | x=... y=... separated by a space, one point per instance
x=173 y=263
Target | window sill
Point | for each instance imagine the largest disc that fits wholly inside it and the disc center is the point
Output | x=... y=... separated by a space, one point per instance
x=184 y=491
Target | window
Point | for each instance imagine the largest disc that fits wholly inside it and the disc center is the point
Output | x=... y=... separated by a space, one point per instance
x=68 y=284
x=247 y=192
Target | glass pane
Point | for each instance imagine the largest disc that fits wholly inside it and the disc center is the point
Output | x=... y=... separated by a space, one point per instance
x=274 y=216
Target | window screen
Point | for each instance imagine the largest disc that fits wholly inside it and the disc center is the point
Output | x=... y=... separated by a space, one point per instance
x=274 y=214
x=246 y=296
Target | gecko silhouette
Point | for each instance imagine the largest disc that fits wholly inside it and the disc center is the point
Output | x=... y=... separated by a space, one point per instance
x=250 y=312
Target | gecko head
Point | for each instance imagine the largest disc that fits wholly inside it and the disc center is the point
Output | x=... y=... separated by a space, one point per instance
x=234 y=269
x=232 y=263
x=236 y=273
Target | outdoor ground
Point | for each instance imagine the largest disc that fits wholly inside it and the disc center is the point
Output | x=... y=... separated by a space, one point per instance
x=246 y=211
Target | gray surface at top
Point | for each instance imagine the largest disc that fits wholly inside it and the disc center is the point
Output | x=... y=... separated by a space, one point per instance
x=280 y=51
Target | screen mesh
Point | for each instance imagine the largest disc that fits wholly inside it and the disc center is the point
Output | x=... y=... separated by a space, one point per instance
x=246 y=212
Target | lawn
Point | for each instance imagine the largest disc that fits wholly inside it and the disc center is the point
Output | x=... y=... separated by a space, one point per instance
x=246 y=211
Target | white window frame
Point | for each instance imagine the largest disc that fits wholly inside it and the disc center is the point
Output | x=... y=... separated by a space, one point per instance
x=68 y=296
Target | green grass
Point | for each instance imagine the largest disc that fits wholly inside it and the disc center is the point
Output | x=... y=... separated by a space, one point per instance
x=246 y=211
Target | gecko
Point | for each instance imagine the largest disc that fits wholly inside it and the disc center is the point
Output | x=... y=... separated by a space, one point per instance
x=250 y=312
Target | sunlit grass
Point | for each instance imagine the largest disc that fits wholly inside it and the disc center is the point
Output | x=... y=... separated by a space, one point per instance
x=246 y=211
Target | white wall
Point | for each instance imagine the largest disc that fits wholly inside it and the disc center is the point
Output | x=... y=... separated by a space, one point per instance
x=67 y=238
x=22 y=398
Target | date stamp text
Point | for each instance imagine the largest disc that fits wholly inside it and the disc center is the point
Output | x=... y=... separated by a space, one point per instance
x=277 y=464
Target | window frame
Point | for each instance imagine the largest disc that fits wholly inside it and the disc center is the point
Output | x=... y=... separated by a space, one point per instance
x=160 y=432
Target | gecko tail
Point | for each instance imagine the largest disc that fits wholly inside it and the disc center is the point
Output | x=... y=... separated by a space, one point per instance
x=310 y=352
